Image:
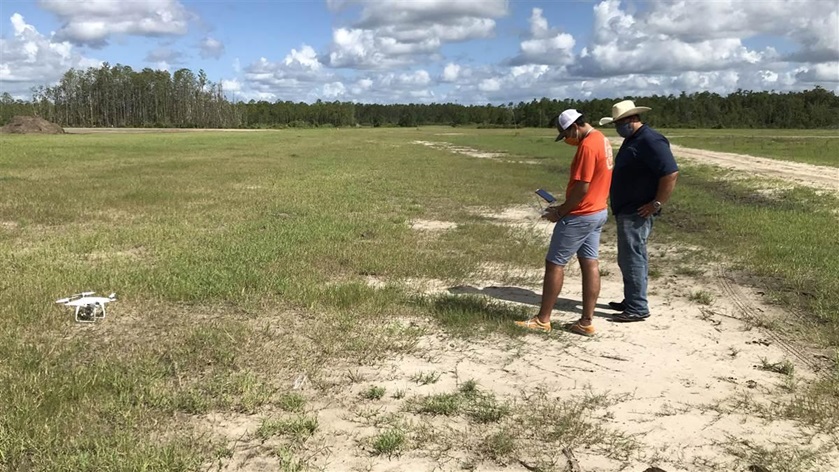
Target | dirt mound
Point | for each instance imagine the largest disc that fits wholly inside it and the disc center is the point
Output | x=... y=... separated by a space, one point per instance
x=31 y=125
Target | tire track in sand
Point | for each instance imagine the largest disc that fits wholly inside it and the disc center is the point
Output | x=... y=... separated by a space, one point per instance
x=751 y=315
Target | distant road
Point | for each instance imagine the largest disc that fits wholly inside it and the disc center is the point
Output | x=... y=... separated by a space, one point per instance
x=821 y=177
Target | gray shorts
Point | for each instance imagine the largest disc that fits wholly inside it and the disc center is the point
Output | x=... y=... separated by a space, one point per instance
x=575 y=234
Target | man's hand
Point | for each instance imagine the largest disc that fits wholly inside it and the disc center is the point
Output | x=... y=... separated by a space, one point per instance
x=645 y=211
x=551 y=214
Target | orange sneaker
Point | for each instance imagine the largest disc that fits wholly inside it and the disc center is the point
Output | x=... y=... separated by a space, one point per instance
x=535 y=324
x=577 y=328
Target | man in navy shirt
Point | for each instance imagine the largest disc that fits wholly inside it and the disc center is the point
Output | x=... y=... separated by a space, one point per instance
x=643 y=179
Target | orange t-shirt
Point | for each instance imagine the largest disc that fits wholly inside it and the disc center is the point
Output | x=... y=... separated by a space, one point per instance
x=593 y=163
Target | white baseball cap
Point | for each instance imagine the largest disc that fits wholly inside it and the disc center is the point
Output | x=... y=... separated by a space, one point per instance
x=565 y=120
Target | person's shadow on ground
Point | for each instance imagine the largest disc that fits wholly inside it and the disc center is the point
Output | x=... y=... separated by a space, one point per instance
x=527 y=297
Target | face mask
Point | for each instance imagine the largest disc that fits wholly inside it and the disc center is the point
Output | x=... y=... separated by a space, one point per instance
x=572 y=140
x=625 y=130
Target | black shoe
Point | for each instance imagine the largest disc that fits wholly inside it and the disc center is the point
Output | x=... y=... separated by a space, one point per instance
x=617 y=306
x=629 y=317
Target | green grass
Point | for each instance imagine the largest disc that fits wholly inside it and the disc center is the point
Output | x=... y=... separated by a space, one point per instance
x=219 y=244
x=389 y=442
x=478 y=406
x=474 y=316
x=426 y=378
x=291 y=402
x=784 y=367
x=297 y=429
x=777 y=457
x=443 y=404
x=702 y=297
x=241 y=260
x=374 y=392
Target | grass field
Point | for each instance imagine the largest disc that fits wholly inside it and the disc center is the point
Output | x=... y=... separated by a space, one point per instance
x=242 y=258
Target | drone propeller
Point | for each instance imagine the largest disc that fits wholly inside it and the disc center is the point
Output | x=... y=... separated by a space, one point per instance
x=74 y=297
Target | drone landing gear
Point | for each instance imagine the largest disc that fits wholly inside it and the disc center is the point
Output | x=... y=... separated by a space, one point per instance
x=90 y=313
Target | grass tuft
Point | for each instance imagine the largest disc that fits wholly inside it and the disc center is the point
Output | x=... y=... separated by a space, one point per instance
x=703 y=297
x=297 y=429
x=784 y=367
x=426 y=378
x=389 y=443
x=374 y=392
x=291 y=402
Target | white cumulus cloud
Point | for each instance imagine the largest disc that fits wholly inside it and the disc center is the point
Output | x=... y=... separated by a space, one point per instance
x=93 y=22
x=297 y=76
x=392 y=33
x=451 y=72
x=546 y=45
x=29 y=59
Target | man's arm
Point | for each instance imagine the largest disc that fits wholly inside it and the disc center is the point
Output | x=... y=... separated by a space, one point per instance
x=666 y=185
x=578 y=191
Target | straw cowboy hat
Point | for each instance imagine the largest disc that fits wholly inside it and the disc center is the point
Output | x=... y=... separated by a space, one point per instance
x=622 y=110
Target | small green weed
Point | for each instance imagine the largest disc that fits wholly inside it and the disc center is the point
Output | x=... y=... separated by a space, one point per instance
x=389 y=443
x=486 y=409
x=426 y=378
x=470 y=387
x=288 y=461
x=498 y=445
x=703 y=297
x=374 y=392
x=297 y=429
x=291 y=402
x=784 y=367
x=445 y=404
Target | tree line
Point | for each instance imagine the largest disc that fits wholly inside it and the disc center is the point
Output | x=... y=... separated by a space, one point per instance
x=118 y=96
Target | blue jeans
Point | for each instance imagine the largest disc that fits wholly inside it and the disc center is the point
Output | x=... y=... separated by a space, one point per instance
x=633 y=231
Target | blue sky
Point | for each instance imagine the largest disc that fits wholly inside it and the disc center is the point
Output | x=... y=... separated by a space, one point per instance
x=464 y=51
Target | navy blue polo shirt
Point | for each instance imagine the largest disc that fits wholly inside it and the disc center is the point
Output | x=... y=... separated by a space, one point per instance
x=642 y=160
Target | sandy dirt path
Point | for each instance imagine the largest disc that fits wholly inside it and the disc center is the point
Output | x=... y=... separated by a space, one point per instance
x=821 y=177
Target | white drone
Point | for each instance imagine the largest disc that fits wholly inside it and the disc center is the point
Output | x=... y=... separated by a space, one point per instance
x=88 y=308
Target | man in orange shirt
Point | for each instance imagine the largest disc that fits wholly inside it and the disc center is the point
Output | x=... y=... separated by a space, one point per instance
x=579 y=221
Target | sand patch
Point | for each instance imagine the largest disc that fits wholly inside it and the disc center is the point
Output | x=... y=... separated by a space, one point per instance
x=412 y=284
x=135 y=253
x=432 y=225
x=467 y=151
